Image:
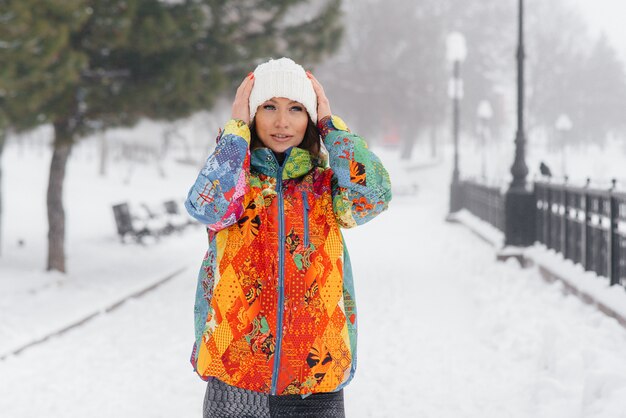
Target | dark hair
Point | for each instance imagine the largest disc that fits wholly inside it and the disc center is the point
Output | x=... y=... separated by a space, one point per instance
x=311 y=141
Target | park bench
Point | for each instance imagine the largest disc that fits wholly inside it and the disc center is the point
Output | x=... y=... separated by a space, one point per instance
x=147 y=221
x=177 y=220
x=127 y=225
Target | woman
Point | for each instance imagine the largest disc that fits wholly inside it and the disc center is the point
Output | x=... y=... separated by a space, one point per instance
x=275 y=315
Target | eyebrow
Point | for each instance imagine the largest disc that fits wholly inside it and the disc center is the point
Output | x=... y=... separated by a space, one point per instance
x=274 y=101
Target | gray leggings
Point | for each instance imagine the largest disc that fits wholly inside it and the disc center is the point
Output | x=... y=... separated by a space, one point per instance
x=225 y=401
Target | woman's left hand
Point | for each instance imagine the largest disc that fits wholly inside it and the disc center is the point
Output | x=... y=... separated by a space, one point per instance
x=323 y=105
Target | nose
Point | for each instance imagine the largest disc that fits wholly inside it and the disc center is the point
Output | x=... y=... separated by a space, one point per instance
x=281 y=119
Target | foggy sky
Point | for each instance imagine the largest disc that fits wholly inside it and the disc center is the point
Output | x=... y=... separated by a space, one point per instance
x=607 y=16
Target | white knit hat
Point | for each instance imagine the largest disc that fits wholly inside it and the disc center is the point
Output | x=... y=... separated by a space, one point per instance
x=282 y=78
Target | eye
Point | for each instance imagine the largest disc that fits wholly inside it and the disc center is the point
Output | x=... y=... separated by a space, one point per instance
x=297 y=108
x=269 y=107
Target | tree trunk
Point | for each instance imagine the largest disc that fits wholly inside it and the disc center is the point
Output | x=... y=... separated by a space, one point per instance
x=56 y=213
x=2 y=139
x=407 y=143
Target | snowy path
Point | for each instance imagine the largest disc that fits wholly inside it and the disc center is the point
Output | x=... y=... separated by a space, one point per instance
x=131 y=362
x=445 y=331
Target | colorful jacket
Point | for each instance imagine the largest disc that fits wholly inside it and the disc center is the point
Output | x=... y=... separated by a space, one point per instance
x=275 y=309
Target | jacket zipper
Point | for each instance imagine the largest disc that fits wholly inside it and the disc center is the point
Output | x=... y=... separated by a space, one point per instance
x=305 y=205
x=281 y=278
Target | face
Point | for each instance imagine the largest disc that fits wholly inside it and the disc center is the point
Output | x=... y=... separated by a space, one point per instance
x=281 y=123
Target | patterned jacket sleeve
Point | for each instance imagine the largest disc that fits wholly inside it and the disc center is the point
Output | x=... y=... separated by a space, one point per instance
x=360 y=184
x=216 y=198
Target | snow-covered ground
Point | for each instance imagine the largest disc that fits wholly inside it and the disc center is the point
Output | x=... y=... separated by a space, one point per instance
x=100 y=269
x=445 y=330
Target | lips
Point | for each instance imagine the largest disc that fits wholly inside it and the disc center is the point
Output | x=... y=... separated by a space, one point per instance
x=281 y=137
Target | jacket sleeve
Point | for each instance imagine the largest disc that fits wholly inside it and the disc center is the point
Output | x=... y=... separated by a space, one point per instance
x=216 y=197
x=360 y=184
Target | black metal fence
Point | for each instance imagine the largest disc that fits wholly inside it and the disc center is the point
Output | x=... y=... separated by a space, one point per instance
x=587 y=225
x=485 y=202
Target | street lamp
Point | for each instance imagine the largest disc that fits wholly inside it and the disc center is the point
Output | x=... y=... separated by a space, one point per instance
x=455 y=53
x=485 y=113
x=563 y=126
x=520 y=210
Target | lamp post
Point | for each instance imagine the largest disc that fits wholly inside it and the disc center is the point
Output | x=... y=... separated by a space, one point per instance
x=520 y=210
x=456 y=53
x=563 y=126
x=485 y=113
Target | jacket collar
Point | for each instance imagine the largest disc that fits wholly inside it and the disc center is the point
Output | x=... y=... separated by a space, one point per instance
x=297 y=162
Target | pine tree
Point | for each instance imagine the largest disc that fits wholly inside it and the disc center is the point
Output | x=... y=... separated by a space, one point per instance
x=31 y=69
x=111 y=62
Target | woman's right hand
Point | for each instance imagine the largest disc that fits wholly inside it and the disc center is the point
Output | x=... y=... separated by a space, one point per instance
x=241 y=105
